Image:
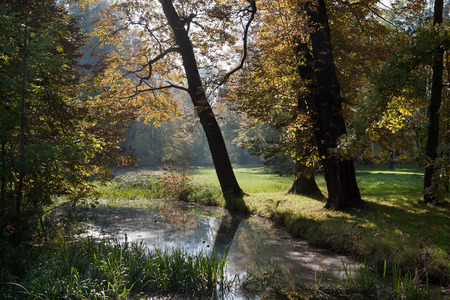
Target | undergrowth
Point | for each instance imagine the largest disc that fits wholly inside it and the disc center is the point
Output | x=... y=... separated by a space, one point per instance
x=107 y=269
x=363 y=283
x=167 y=183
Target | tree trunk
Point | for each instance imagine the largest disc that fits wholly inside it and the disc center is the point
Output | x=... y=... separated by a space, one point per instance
x=304 y=184
x=329 y=124
x=304 y=181
x=22 y=115
x=433 y=112
x=228 y=183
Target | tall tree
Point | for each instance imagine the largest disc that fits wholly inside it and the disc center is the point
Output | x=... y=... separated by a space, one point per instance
x=52 y=140
x=392 y=111
x=327 y=116
x=433 y=109
x=171 y=49
x=271 y=92
x=222 y=164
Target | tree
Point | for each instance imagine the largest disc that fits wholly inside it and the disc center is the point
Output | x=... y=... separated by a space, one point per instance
x=227 y=179
x=327 y=117
x=52 y=141
x=270 y=91
x=433 y=109
x=392 y=111
x=157 y=67
x=285 y=96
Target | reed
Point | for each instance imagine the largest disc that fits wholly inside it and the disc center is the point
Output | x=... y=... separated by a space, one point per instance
x=107 y=269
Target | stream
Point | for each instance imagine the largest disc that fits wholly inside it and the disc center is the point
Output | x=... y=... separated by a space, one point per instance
x=252 y=245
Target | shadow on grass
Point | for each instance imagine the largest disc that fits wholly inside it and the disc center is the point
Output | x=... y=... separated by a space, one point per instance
x=414 y=237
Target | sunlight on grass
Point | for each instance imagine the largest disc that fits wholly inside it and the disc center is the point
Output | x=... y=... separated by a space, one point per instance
x=393 y=226
x=252 y=180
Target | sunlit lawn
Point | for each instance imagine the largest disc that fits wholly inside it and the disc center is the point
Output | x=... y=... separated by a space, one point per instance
x=393 y=226
x=251 y=179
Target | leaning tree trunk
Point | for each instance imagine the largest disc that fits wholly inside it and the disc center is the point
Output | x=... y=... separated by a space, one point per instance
x=433 y=112
x=227 y=179
x=327 y=116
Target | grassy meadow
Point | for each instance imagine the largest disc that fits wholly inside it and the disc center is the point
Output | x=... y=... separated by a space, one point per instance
x=393 y=226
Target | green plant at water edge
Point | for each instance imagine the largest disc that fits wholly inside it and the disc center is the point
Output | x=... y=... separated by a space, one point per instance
x=318 y=282
x=406 y=286
x=365 y=283
x=270 y=283
x=205 y=194
x=107 y=269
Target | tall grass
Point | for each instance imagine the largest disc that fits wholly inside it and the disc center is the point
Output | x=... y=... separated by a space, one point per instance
x=362 y=283
x=87 y=269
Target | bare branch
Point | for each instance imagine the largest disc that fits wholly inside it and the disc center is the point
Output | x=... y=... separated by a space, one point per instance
x=381 y=17
x=150 y=63
x=155 y=89
x=253 y=9
x=165 y=87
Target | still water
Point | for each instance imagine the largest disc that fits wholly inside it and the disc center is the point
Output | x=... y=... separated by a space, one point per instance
x=252 y=245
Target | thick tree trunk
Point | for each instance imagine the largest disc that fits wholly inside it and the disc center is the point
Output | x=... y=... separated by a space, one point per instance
x=304 y=181
x=228 y=183
x=433 y=111
x=304 y=184
x=329 y=124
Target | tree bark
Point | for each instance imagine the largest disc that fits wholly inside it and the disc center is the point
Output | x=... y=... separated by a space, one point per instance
x=303 y=184
x=433 y=112
x=327 y=116
x=227 y=179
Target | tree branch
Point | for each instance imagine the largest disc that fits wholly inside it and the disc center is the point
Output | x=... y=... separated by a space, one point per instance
x=253 y=10
x=165 y=87
x=149 y=65
x=155 y=89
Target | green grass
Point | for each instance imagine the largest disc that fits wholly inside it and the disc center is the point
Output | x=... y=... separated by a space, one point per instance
x=88 y=269
x=252 y=180
x=131 y=184
x=393 y=226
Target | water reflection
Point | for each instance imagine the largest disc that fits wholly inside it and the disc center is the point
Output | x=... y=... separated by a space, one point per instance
x=173 y=225
x=252 y=245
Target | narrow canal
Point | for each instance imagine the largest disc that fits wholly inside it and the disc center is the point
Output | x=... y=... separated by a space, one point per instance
x=254 y=247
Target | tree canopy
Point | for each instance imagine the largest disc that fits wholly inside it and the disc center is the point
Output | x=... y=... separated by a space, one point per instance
x=53 y=138
x=330 y=79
